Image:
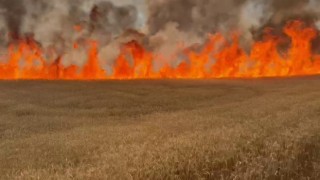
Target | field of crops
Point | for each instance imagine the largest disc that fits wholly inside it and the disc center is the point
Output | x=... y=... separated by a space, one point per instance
x=161 y=129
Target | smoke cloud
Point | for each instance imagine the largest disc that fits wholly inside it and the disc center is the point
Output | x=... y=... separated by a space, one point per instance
x=165 y=23
x=249 y=17
x=57 y=24
x=205 y=16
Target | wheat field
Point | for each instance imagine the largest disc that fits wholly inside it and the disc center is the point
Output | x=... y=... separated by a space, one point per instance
x=160 y=129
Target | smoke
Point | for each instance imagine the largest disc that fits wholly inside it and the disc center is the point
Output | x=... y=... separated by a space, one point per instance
x=13 y=12
x=205 y=16
x=57 y=24
x=188 y=22
x=52 y=20
x=253 y=15
x=197 y=16
x=168 y=43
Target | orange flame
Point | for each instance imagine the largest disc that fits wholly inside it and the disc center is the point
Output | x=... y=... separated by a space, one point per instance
x=218 y=58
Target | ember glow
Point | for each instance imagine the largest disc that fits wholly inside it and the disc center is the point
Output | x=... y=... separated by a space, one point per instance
x=220 y=57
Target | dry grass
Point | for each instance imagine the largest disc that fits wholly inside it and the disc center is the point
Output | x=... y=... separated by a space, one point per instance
x=219 y=129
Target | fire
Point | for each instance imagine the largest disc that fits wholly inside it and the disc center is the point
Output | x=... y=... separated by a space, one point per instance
x=220 y=57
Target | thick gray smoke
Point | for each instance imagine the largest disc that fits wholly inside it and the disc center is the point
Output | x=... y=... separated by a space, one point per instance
x=55 y=19
x=13 y=12
x=56 y=24
x=197 y=18
x=204 y=16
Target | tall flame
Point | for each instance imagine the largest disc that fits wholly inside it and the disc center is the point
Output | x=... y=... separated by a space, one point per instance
x=218 y=58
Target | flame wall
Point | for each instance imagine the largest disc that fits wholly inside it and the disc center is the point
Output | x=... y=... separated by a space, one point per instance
x=131 y=39
x=218 y=57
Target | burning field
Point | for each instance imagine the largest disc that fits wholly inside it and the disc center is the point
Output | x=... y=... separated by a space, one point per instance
x=217 y=58
x=81 y=40
x=209 y=89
